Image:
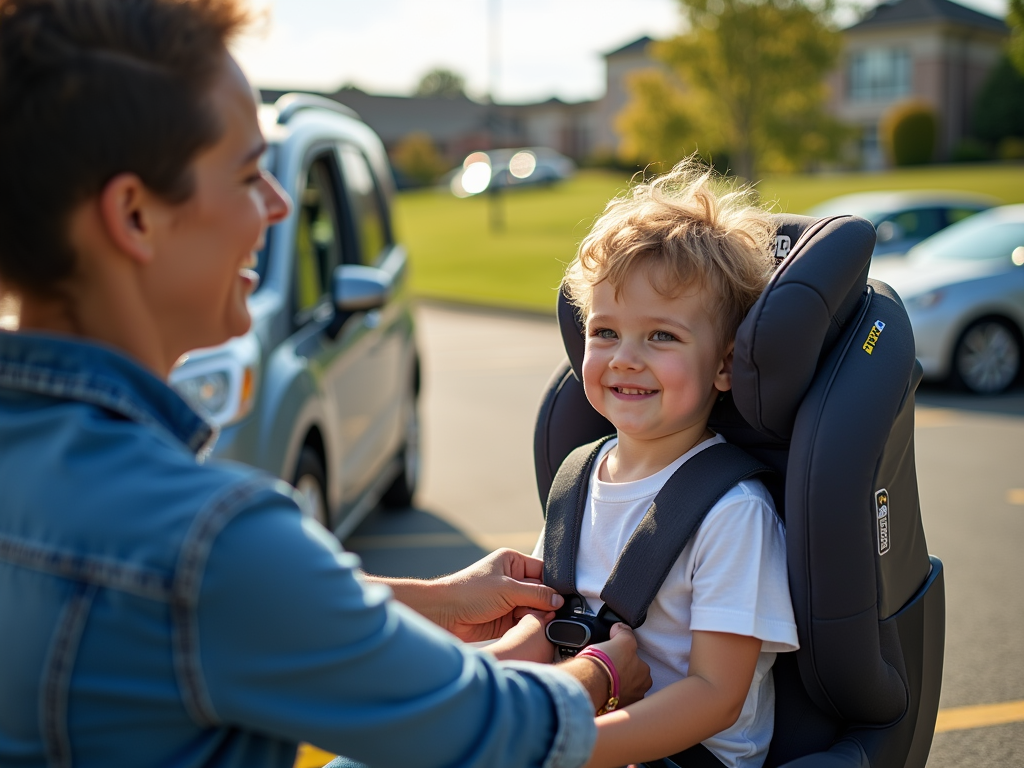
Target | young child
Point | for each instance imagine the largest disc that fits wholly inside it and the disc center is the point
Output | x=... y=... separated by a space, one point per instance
x=662 y=282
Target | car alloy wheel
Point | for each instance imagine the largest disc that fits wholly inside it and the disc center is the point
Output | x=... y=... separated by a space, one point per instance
x=987 y=357
x=310 y=482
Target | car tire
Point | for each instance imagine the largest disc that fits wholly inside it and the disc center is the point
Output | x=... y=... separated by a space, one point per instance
x=311 y=482
x=987 y=357
x=400 y=493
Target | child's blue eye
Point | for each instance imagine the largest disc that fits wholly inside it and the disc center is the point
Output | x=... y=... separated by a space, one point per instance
x=662 y=336
x=603 y=333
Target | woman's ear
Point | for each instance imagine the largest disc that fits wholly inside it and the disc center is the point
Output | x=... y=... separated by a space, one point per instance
x=723 y=378
x=128 y=213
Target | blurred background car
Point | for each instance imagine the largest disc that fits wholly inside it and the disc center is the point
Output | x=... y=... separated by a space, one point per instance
x=905 y=218
x=964 y=293
x=323 y=389
x=503 y=168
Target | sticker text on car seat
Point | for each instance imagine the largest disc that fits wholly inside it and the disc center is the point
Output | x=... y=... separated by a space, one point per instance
x=882 y=515
x=873 y=334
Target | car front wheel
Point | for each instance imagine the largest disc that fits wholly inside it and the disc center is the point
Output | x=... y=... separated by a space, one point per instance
x=987 y=357
x=311 y=482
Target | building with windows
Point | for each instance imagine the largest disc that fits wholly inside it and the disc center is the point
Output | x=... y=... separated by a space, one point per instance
x=936 y=51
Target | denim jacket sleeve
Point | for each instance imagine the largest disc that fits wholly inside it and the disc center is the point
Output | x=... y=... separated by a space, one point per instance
x=279 y=634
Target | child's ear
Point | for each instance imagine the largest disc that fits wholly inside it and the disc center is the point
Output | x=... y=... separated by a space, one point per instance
x=723 y=378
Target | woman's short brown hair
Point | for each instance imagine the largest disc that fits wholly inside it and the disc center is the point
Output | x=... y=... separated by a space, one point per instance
x=90 y=89
x=686 y=228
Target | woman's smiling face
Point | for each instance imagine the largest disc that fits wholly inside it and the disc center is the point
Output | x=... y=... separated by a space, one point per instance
x=202 y=274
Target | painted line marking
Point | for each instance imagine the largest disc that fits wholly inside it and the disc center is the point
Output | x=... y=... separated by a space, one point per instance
x=1015 y=496
x=312 y=757
x=979 y=716
x=952 y=719
x=935 y=417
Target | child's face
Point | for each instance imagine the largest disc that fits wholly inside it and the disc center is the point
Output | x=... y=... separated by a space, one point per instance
x=653 y=365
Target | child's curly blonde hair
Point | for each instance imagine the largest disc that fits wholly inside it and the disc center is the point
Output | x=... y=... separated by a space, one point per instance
x=685 y=228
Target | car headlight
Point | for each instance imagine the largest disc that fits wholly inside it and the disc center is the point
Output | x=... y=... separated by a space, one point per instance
x=925 y=300
x=220 y=383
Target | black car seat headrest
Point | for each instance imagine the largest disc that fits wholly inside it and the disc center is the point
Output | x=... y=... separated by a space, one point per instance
x=791 y=326
x=799 y=316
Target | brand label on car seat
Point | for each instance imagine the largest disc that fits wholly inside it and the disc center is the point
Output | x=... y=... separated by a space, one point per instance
x=882 y=516
x=873 y=334
x=782 y=246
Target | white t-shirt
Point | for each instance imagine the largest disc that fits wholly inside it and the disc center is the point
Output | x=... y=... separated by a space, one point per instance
x=730 y=577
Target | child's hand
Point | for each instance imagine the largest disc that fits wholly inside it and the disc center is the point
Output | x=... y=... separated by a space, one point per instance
x=526 y=641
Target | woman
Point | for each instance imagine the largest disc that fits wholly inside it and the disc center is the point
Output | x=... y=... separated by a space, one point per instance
x=153 y=609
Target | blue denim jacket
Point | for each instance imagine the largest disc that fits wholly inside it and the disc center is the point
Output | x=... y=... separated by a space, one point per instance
x=155 y=610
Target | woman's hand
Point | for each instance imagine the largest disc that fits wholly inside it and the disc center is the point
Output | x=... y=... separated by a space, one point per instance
x=478 y=602
x=634 y=674
x=526 y=641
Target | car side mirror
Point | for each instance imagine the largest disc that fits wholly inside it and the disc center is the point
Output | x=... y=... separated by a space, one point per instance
x=358 y=288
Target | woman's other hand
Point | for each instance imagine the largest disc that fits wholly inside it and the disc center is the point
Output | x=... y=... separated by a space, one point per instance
x=526 y=641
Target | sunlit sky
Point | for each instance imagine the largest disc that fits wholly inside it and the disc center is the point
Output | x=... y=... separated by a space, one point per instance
x=543 y=48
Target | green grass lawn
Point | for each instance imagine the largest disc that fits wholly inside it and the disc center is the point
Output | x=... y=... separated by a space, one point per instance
x=456 y=255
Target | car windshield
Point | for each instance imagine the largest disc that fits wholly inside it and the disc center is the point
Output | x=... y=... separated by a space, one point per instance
x=267 y=163
x=975 y=239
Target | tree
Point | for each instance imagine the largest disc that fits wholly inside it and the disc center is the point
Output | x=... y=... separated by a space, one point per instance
x=418 y=158
x=747 y=78
x=1015 y=20
x=999 y=110
x=441 y=83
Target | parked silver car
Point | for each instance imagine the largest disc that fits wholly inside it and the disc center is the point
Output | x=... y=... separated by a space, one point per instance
x=323 y=390
x=964 y=293
x=903 y=219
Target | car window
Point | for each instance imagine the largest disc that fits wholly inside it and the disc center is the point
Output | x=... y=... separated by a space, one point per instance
x=917 y=223
x=968 y=242
x=953 y=215
x=367 y=211
x=317 y=250
x=267 y=162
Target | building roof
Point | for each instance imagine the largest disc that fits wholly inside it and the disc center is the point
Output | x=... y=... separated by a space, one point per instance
x=917 y=11
x=637 y=46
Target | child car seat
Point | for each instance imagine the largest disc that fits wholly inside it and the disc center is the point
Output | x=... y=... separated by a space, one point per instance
x=824 y=377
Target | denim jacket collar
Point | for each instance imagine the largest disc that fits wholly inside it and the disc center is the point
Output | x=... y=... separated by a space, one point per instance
x=70 y=368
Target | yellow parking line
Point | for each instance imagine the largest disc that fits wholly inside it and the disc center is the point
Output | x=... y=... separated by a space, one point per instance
x=1015 y=496
x=311 y=757
x=979 y=716
x=952 y=719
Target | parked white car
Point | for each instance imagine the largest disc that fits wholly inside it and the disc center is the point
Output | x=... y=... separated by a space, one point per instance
x=902 y=219
x=964 y=293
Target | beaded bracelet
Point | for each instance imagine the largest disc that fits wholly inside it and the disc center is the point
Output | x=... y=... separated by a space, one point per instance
x=604 y=661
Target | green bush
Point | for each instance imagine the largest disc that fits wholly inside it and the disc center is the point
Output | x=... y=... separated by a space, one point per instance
x=970 y=150
x=909 y=131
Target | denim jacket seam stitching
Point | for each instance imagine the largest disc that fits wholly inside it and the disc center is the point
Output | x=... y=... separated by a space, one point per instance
x=82 y=568
x=57 y=676
x=195 y=550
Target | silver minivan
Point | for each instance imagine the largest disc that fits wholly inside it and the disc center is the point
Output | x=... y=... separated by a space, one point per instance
x=323 y=389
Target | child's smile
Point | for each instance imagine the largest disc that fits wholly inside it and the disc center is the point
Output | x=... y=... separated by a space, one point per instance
x=654 y=365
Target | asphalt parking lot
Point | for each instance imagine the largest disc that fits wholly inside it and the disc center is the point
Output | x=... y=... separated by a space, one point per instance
x=484 y=374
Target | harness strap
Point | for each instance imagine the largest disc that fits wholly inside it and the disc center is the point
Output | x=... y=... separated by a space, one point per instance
x=564 y=516
x=669 y=523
